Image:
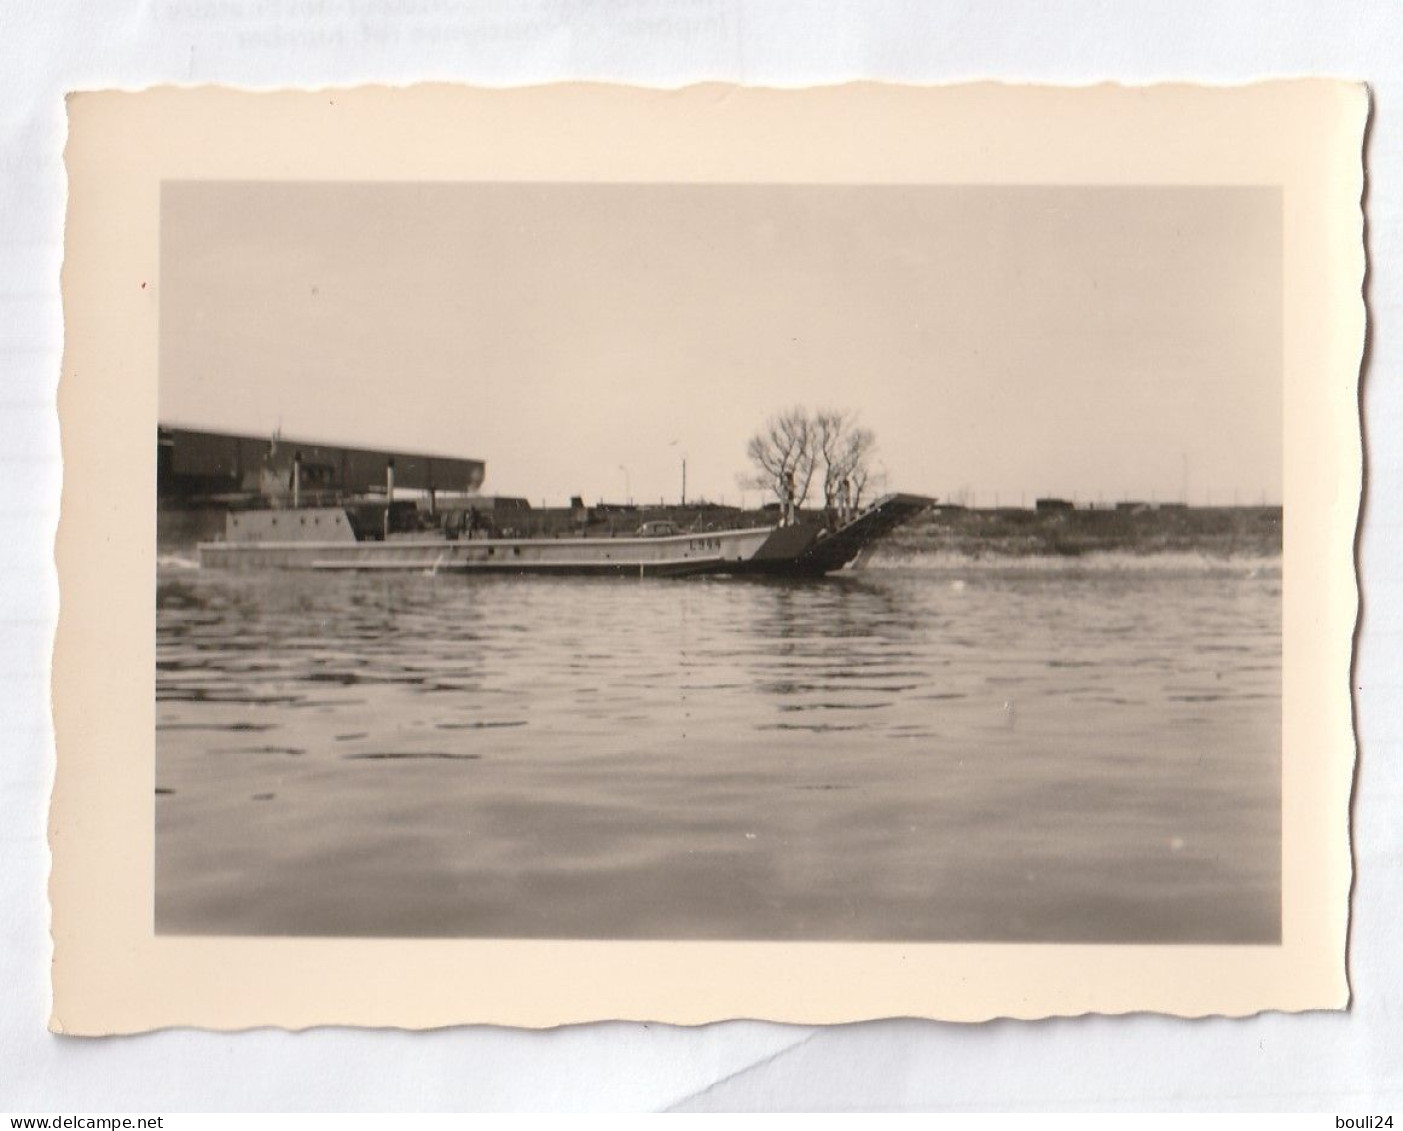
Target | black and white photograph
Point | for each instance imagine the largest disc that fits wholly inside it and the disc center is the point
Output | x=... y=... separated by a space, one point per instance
x=720 y=562
x=592 y=554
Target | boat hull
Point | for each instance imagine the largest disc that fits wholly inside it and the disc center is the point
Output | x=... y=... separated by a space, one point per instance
x=325 y=540
x=647 y=557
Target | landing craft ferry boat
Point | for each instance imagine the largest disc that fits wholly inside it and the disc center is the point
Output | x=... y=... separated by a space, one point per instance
x=311 y=505
x=380 y=537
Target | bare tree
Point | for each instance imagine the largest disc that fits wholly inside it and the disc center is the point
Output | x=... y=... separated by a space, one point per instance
x=844 y=453
x=796 y=445
x=782 y=455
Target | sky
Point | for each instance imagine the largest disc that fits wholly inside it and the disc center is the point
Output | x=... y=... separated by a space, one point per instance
x=1003 y=343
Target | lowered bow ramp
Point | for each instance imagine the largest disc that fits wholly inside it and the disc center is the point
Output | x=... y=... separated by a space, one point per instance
x=828 y=552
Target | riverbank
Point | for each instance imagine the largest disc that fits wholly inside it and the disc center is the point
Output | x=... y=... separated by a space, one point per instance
x=1216 y=532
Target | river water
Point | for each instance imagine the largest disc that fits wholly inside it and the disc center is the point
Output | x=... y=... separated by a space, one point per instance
x=1083 y=750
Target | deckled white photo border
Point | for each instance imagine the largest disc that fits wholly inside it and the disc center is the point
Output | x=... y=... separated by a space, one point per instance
x=112 y=974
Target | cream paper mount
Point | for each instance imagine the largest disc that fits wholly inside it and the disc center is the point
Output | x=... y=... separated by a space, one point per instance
x=115 y=972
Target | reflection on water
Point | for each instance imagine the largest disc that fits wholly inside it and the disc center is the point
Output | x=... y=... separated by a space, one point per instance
x=951 y=753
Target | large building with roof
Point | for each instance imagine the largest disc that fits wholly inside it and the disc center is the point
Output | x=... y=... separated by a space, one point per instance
x=202 y=475
x=195 y=468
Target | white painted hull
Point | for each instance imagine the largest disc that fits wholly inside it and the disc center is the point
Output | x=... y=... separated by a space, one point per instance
x=677 y=554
